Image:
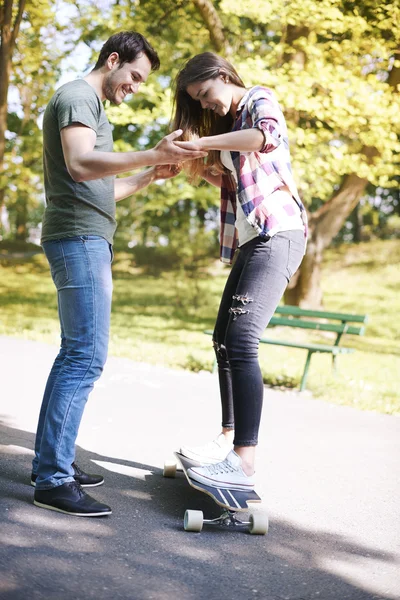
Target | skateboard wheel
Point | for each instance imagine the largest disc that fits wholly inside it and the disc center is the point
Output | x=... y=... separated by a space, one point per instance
x=258 y=523
x=193 y=520
x=169 y=469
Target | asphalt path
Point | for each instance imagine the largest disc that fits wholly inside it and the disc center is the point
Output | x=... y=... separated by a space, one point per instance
x=328 y=475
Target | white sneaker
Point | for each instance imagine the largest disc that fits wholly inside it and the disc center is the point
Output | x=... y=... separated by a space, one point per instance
x=211 y=453
x=227 y=474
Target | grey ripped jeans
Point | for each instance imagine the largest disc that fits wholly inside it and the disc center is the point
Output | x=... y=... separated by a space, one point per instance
x=255 y=285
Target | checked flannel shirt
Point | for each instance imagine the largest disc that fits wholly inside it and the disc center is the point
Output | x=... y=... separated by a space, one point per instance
x=259 y=174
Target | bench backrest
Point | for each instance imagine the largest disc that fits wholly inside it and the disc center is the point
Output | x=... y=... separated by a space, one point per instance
x=292 y=317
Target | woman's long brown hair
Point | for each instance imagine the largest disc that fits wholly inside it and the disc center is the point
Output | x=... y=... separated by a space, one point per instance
x=192 y=118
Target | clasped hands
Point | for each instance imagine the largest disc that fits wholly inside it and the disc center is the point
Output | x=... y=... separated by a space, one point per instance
x=174 y=153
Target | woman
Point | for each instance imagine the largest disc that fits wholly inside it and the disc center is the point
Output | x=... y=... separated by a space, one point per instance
x=244 y=132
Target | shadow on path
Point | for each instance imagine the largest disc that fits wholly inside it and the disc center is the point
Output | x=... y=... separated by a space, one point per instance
x=142 y=552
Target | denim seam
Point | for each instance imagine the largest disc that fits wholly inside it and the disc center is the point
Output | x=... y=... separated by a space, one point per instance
x=65 y=262
x=91 y=360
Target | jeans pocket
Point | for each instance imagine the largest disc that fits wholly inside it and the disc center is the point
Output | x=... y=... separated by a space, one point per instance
x=295 y=256
x=55 y=255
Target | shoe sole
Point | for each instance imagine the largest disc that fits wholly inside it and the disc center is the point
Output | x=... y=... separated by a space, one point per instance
x=224 y=486
x=72 y=514
x=221 y=485
x=85 y=485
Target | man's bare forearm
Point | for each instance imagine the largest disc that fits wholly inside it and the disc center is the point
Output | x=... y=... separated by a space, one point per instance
x=85 y=164
x=126 y=186
x=96 y=165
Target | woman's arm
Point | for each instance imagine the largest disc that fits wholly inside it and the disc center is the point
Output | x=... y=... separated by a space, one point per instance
x=245 y=140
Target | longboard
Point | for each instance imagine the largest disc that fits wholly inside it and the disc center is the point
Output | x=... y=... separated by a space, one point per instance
x=231 y=501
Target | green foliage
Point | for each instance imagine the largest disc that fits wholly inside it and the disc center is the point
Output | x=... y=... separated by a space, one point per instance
x=328 y=62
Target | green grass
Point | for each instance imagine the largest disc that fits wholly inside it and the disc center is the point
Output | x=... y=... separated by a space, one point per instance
x=160 y=320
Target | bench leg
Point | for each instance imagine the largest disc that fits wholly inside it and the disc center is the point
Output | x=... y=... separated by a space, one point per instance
x=305 y=372
x=334 y=364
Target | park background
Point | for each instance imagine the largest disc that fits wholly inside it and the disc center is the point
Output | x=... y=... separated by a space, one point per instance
x=335 y=68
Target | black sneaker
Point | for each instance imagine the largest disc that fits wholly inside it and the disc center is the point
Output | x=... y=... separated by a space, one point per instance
x=85 y=479
x=70 y=499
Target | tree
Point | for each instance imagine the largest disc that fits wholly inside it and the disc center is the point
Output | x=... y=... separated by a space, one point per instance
x=334 y=65
x=345 y=59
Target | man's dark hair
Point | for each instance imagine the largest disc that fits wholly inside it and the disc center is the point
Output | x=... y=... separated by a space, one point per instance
x=129 y=45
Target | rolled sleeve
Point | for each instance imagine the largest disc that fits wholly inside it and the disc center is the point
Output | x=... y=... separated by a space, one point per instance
x=265 y=115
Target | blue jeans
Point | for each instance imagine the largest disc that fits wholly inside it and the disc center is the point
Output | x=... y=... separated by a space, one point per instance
x=255 y=285
x=81 y=271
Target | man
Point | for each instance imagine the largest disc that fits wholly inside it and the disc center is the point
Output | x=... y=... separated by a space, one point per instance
x=78 y=228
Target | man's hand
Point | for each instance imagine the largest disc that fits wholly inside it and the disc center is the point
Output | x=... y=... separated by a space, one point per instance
x=166 y=171
x=168 y=152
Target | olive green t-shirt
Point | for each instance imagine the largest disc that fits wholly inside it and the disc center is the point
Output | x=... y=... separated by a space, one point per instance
x=84 y=208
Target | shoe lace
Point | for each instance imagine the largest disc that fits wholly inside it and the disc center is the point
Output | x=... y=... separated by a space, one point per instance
x=221 y=468
x=74 y=485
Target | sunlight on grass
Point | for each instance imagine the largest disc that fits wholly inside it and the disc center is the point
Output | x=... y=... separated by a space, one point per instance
x=161 y=320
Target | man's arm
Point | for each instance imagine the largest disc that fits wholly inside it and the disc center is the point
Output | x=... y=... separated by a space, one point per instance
x=126 y=186
x=85 y=164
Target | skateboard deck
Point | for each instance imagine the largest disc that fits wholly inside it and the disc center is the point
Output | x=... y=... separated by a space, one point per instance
x=232 y=500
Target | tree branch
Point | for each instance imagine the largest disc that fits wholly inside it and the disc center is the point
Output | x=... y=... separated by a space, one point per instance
x=17 y=22
x=214 y=25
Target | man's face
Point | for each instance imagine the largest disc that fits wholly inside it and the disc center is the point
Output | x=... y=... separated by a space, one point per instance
x=120 y=82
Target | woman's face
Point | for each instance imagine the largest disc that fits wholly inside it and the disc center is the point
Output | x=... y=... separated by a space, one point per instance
x=213 y=94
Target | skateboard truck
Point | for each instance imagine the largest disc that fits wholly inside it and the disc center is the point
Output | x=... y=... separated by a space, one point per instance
x=257 y=523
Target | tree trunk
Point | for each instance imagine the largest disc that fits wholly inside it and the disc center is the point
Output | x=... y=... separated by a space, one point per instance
x=358 y=224
x=9 y=31
x=21 y=229
x=305 y=288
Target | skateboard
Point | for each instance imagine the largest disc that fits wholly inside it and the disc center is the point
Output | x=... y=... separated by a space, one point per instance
x=231 y=501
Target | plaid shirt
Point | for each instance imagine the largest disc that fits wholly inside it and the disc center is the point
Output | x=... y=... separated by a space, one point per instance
x=259 y=174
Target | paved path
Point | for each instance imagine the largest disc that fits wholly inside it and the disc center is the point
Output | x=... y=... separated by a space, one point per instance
x=329 y=477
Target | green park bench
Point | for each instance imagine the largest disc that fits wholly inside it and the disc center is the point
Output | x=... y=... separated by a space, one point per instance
x=315 y=320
